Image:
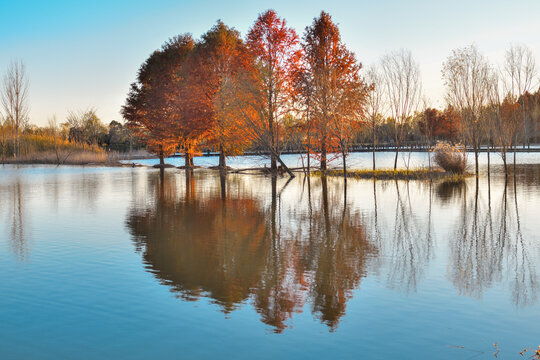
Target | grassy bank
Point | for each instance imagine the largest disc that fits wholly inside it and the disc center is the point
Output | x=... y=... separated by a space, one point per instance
x=389 y=174
x=51 y=150
x=62 y=157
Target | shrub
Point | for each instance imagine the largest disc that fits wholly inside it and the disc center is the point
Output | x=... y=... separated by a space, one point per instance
x=451 y=158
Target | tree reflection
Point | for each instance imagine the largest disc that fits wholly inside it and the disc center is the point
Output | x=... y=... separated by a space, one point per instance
x=489 y=244
x=230 y=247
x=16 y=216
x=286 y=248
x=202 y=246
x=412 y=242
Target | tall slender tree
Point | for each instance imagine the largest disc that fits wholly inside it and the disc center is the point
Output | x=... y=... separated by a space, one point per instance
x=339 y=93
x=375 y=106
x=152 y=107
x=217 y=59
x=275 y=48
x=403 y=90
x=519 y=73
x=14 y=99
x=467 y=76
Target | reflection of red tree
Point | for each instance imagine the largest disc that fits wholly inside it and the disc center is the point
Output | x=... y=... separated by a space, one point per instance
x=213 y=248
x=231 y=250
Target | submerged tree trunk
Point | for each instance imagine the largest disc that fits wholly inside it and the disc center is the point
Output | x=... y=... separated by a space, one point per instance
x=222 y=160
x=323 y=156
x=504 y=162
x=273 y=153
x=223 y=184
x=161 y=156
x=273 y=163
x=374 y=143
x=344 y=165
x=395 y=159
x=515 y=145
x=308 y=160
x=188 y=157
x=488 y=160
x=476 y=159
x=397 y=137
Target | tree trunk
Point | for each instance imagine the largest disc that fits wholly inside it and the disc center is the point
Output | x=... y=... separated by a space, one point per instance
x=488 y=159
x=222 y=163
x=308 y=161
x=476 y=159
x=504 y=162
x=515 y=146
x=323 y=156
x=344 y=166
x=374 y=143
x=273 y=154
x=395 y=159
x=187 y=162
x=161 y=156
x=223 y=184
x=273 y=163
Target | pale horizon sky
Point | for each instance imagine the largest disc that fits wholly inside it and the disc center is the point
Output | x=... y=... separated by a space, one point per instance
x=83 y=55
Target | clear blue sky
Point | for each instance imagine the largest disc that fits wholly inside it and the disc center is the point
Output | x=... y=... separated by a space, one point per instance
x=86 y=54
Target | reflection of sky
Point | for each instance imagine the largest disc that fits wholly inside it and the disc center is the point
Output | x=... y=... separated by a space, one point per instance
x=84 y=283
x=83 y=54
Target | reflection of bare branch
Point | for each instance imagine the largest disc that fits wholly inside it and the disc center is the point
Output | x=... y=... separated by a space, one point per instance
x=18 y=230
x=15 y=214
x=410 y=251
x=524 y=279
x=475 y=251
x=478 y=250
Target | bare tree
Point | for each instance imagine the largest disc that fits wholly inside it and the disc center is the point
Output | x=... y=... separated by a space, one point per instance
x=53 y=130
x=466 y=73
x=519 y=73
x=4 y=138
x=375 y=107
x=520 y=70
x=15 y=100
x=499 y=119
x=403 y=90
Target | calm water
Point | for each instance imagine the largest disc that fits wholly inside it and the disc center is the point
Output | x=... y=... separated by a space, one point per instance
x=122 y=263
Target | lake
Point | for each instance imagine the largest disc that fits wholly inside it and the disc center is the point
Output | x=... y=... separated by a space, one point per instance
x=127 y=263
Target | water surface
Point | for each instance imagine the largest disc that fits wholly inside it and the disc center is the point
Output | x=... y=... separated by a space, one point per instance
x=126 y=263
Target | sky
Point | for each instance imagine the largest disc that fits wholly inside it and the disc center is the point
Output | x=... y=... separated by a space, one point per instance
x=85 y=54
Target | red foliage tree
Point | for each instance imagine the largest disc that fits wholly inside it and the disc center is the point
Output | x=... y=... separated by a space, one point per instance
x=151 y=109
x=338 y=93
x=442 y=125
x=276 y=51
x=218 y=58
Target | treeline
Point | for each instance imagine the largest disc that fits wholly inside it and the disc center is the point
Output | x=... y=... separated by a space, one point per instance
x=82 y=131
x=273 y=91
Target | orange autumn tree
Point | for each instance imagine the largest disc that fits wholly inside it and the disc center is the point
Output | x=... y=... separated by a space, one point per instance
x=150 y=108
x=276 y=51
x=439 y=124
x=338 y=92
x=217 y=59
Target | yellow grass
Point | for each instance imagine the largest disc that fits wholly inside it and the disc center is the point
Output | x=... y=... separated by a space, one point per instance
x=389 y=174
x=46 y=149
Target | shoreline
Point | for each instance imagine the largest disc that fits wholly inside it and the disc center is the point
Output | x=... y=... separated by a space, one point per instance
x=379 y=174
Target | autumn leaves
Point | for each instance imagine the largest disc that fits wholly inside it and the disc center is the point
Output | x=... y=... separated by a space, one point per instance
x=227 y=93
